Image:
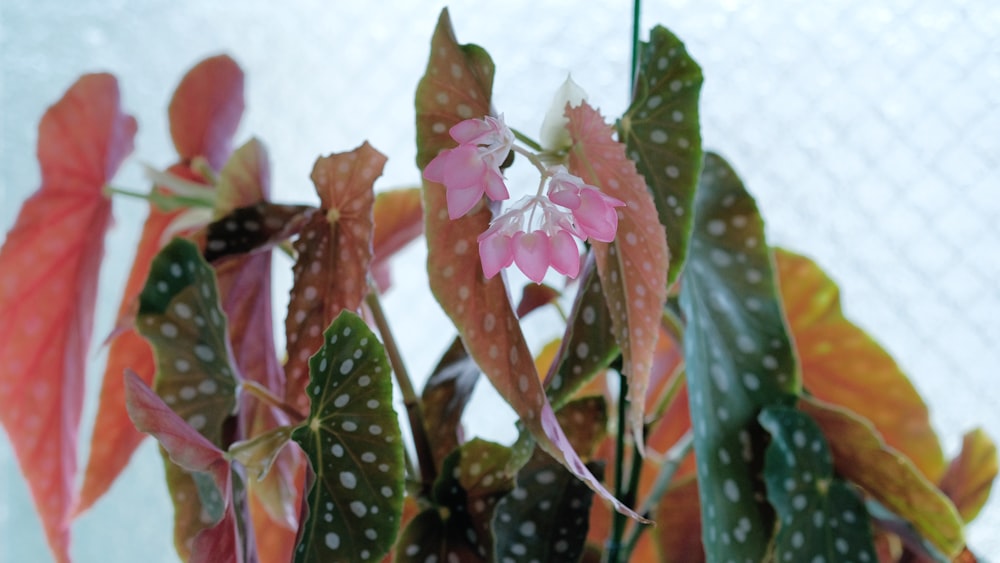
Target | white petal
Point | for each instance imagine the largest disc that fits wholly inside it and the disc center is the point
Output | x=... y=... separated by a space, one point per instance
x=554 y=135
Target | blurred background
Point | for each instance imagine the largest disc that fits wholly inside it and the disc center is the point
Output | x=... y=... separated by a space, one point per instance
x=868 y=131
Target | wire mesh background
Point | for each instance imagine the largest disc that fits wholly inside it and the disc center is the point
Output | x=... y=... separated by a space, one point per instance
x=870 y=134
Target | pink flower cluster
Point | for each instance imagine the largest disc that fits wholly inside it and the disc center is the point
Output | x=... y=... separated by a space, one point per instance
x=537 y=233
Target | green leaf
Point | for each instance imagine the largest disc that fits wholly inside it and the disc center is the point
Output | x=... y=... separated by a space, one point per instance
x=862 y=457
x=353 y=442
x=546 y=516
x=472 y=481
x=822 y=518
x=180 y=316
x=445 y=396
x=588 y=345
x=662 y=135
x=739 y=359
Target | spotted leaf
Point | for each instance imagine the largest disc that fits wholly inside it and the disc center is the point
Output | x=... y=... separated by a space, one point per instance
x=399 y=219
x=334 y=254
x=544 y=518
x=588 y=346
x=633 y=267
x=739 y=359
x=822 y=517
x=479 y=307
x=50 y=262
x=179 y=315
x=353 y=443
x=586 y=422
x=254 y=227
x=472 y=481
x=443 y=400
x=205 y=111
x=662 y=134
x=860 y=455
x=842 y=365
x=970 y=476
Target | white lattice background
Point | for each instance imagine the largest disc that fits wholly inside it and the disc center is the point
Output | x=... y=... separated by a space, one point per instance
x=870 y=135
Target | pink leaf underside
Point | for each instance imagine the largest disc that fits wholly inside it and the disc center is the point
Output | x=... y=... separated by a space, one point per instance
x=334 y=254
x=49 y=263
x=479 y=307
x=633 y=267
x=220 y=543
x=206 y=109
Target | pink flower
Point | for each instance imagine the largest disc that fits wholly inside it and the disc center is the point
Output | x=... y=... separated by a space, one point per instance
x=473 y=167
x=593 y=210
x=533 y=246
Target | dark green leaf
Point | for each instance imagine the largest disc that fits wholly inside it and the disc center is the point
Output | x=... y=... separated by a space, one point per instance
x=588 y=345
x=662 y=135
x=444 y=398
x=472 y=480
x=546 y=517
x=739 y=359
x=353 y=442
x=822 y=518
x=179 y=315
x=255 y=227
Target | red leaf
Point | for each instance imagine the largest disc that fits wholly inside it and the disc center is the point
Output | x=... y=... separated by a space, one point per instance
x=633 y=268
x=50 y=261
x=208 y=102
x=478 y=307
x=206 y=109
x=334 y=254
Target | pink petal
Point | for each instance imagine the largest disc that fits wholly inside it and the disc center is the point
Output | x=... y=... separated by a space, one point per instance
x=495 y=253
x=596 y=216
x=460 y=201
x=470 y=131
x=532 y=254
x=565 y=254
x=436 y=168
x=568 y=198
x=495 y=187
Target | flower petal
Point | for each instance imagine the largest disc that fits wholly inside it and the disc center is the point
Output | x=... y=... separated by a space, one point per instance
x=461 y=201
x=532 y=254
x=565 y=254
x=554 y=135
x=496 y=253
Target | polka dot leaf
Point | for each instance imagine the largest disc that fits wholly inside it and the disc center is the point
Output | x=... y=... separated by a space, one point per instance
x=633 y=267
x=49 y=266
x=586 y=422
x=353 y=443
x=180 y=316
x=739 y=360
x=821 y=518
x=473 y=479
x=479 y=307
x=205 y=111
x=588 y=346
x=662 y=134
x=545 y=517
x=254 y=227
x=444 y=398
x=334 y=256
x=862 y=457
x=841 y=364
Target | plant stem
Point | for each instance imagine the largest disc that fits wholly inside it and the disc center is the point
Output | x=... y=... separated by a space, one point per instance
x=671 y=462
x=264 y=395
x=414 y=413
x=636 y=9
x=526 y=140
x=618 y=519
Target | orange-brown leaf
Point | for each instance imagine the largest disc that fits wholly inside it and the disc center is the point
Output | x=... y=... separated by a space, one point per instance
x=334 y=254
x=50 y=262
x=633 y=267
x=844 y=366
x=969 y=477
